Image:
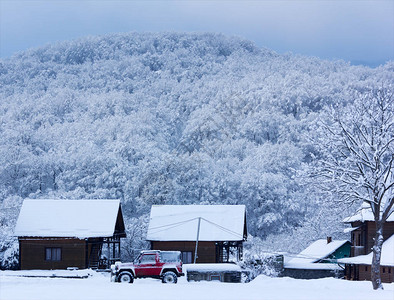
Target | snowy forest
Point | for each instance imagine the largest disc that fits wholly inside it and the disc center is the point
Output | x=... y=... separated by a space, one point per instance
x=172 y=118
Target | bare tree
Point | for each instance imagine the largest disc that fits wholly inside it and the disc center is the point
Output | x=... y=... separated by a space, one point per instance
x=357 y=147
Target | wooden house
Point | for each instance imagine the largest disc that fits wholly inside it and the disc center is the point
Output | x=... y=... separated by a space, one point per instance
x=363 y=230
x=57 y=234
x=358 y=266
x=218 y=230
x=318 y=260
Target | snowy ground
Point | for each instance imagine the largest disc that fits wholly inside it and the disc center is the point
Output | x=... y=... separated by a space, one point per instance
x=99 y=287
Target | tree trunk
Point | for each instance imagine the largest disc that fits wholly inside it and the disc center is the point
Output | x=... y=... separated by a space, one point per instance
x=377 y=253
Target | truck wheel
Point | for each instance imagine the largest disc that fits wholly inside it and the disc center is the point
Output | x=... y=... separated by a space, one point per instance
x=125 y=277
x=169 y=277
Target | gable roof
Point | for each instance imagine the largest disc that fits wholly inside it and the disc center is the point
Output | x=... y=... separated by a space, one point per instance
x=316 y=251
x=364 y=213
x=68 y=218
x=180 y=223
x=387 y=258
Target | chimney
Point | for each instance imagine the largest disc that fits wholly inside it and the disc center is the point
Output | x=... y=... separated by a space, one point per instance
x=329 y=239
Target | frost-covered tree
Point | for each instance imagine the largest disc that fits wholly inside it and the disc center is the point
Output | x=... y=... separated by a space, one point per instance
x=9 y=252
x=167 y=118
x=358 y=158
x=135 y=242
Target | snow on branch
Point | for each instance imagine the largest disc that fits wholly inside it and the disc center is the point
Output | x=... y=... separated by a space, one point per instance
x=356 y=145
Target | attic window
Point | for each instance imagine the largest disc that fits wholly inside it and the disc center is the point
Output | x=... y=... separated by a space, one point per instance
x=53 y=254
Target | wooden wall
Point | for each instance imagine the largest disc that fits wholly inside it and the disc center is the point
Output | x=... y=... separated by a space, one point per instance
x=386 y=273
x=206 y=250
x=32 y=253
x=366 y=233
x=388 y=230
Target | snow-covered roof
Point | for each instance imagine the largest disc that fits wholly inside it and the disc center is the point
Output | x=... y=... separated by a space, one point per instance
x=67 y=218
x=387 y=258
x=318 y=250
x=364 y=213
x=180 y=222
x=347 y=230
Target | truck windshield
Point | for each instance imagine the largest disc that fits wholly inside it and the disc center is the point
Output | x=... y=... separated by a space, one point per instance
x=137 y=259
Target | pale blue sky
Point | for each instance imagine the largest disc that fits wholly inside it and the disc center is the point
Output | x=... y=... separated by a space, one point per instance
x=357 y=31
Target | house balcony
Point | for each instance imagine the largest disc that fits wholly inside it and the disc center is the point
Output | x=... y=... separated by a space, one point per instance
x=357 y=250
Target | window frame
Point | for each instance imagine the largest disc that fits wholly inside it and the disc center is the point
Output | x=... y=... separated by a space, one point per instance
x=53 y=254
x=188 y=254
x=143 y=258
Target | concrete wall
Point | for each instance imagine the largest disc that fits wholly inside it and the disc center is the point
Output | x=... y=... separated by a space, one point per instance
x=311 y=274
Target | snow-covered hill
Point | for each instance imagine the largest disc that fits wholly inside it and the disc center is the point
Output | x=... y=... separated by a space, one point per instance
x=168 y=118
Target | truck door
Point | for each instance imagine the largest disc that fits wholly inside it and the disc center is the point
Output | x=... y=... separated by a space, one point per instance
x=147 y=266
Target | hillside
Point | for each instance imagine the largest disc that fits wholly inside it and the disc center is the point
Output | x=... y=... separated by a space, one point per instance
x=167 y=118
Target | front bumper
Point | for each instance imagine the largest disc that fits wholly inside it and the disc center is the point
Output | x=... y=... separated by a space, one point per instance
x=113 y=277
x=114 y=274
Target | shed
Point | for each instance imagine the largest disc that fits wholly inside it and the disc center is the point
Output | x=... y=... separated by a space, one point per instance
x=359 y=267
x=318 y=260
x=57 y=234
x=219 y=229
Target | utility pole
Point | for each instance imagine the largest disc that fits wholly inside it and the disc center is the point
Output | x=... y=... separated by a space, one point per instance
x=198 y=234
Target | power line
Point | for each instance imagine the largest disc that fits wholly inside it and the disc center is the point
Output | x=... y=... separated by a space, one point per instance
x=162 y=226
x=170 y=226
x=173 y=225
x=224 y=229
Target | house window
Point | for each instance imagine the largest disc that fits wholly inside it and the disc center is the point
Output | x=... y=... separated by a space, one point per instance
x=384 y=270
x=53 y=254
x=366 y=268
x=187 y=257
x=389 y=270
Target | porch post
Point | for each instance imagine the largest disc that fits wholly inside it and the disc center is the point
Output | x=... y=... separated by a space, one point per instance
x=86 y=254
x=108 y=250
x=119 y=247
x=113 y=252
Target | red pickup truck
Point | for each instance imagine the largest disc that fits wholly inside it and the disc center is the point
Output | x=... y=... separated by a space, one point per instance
x=164 y=265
